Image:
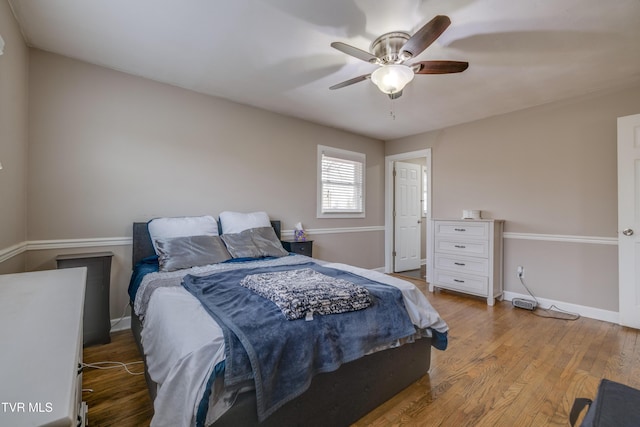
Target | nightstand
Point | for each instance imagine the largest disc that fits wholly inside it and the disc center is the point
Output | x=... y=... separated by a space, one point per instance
x=96 y=318
x=298 y=247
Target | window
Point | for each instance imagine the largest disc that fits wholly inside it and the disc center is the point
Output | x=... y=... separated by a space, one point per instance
x=340 y=183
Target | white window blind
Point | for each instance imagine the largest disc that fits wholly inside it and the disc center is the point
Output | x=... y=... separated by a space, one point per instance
x=340 y=183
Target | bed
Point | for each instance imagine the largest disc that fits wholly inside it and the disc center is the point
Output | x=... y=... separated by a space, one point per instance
x=185 y=367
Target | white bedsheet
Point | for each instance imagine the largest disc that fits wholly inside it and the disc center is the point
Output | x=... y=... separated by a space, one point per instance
x=183 y=344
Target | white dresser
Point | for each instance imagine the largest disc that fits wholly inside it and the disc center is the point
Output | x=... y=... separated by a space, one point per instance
x=467 y=257
x=41 y=356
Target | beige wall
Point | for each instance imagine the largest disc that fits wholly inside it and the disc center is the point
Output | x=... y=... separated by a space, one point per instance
x=120 y=270
x=13 y=264
x=108 y=148
x=14 y=66
x=545 y=170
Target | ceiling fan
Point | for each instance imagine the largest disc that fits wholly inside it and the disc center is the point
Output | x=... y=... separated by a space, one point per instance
x=391 y=50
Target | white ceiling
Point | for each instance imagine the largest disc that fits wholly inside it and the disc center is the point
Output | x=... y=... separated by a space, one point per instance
x=276 y=54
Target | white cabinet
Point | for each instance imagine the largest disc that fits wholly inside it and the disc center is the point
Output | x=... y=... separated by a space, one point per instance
x=467 y=257
x=41 y=336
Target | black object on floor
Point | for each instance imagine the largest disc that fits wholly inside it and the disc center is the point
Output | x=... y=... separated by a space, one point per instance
x=615 y=405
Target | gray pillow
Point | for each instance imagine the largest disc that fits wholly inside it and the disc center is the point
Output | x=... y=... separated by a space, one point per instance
x=176 y=253
x=267 y=242
x=240 y=245
x=254 y=243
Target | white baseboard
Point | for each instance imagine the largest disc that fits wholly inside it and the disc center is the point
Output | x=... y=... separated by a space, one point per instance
x=590 y=312
x=381 y=269
x=121 y=324
x=582 y=310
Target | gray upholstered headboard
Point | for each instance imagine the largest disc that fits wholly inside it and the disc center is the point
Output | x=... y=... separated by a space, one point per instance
x=142 y=246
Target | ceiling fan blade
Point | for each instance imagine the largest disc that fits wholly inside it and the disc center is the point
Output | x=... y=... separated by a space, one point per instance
x=425 y=36
x=439 y=67
x=355 y=52
x=351 y=81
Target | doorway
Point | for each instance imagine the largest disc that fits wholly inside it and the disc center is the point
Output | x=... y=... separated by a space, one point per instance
x=422 y=157
x=407 y=217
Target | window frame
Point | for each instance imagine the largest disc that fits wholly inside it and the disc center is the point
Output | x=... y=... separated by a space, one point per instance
x=347 y=155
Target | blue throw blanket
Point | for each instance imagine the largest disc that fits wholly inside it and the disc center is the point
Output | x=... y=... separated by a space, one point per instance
x=282 y=356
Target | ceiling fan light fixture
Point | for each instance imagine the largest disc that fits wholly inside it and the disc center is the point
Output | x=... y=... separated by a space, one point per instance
x=405 y=56
x=392 y=78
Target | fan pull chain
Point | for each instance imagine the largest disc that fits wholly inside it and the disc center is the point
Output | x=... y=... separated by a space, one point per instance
x=392 y=113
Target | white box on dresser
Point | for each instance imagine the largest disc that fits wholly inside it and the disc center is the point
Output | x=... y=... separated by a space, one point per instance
x=467 y=256
x=41 y=335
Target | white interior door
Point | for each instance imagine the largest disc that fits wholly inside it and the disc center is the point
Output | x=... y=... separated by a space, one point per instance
x=408 y=214
x=629 y=219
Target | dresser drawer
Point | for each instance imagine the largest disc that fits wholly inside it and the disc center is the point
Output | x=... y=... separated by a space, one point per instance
x=463 y=283
x=478 y=266
x=465 y=229
x=460 y=247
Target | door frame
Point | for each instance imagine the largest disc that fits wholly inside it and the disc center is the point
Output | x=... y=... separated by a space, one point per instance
x=388 y=200
x=628 y=288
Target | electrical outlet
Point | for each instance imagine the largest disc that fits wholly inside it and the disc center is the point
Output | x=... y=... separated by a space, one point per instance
x=520 y=271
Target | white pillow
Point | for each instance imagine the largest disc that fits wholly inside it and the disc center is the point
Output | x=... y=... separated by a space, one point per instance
x=164 y=228
x=237 y=222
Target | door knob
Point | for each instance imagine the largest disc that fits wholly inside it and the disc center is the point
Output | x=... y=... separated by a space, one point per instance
x=627 y=232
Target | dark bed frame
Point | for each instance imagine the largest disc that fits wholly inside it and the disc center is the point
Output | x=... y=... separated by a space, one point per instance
x=336 y=398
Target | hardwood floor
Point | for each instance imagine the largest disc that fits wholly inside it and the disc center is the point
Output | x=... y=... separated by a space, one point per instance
x=504 y=367
x=118 y=398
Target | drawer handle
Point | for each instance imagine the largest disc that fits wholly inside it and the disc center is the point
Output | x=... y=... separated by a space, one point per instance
x=459 y=246
x=458 y=280
x=460 y=264
x=460 y=229
x=80 y=368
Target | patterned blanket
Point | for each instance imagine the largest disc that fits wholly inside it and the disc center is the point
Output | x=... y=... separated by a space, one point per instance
x=300 y=293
